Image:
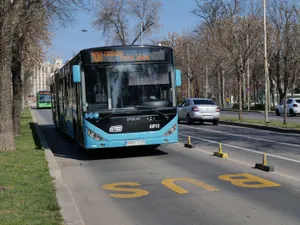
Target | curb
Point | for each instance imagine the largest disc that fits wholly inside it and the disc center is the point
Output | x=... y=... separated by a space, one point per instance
x=256 y=126
x=246 y=111
x=66 y=202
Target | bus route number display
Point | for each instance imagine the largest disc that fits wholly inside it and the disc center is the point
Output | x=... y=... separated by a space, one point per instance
x=44 y=93
x=119 y=56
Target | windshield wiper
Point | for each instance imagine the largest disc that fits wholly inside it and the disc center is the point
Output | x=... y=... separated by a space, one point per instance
x=105 y=118
x=154 y=110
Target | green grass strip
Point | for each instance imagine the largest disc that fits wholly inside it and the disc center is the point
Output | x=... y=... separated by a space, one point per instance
x=272 y=123
x=27 y=194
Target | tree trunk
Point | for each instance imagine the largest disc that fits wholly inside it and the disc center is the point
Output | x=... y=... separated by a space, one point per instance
x=273 y=99
x=269 y=95
x=293 y=82
x=244 y=91
x=7 y=142
x=223 y=88
x=17 y=98
x=220 y=90
x=189 y=87
x=271 y=92
x=281 y=96
x=196 y=88
x=255 y=91
x=284 y=109
x=240 y=96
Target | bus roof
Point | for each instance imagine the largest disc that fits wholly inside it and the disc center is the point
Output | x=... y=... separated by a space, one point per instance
x=125 y=46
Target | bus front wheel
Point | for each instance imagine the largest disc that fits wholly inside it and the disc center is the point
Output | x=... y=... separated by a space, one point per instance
x=82 y=149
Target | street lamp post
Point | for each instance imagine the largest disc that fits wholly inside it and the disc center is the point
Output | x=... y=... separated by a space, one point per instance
x=266 y=66
x=248 y=77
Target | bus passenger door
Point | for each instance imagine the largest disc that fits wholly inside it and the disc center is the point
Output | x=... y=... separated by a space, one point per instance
x=79 y=127
x=61 y=104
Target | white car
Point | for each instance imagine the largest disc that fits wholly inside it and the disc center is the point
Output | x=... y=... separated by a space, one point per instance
x=293 y=107
x=198 y=109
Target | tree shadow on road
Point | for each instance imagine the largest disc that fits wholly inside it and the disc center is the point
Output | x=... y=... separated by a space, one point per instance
x=35 y=136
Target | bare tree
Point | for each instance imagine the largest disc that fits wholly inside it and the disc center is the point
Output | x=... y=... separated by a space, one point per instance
x=124 y=21
x=7 y=27
x=15 y=21
x=31 y=38
x=169 y=41
x=285 y=43
x=27 y=45
x=229 y=27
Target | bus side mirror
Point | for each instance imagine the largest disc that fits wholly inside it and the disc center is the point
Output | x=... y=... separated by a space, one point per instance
x=76 y=74
x=178 y=78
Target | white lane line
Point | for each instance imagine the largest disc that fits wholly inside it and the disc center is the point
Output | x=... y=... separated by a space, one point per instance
x=241 y=148
x=243 y=136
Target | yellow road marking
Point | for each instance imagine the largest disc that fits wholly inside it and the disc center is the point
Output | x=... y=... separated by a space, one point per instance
x=236 y=180
x=136 y=192
x=179 y=190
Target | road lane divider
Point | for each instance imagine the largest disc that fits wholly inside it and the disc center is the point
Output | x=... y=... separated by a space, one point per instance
x=220 y=153
x=247 y=180
x=189 y=143
x=134 y=192
x=243 y=136
x=169 y=183
x=263 y=166
x=244 y=149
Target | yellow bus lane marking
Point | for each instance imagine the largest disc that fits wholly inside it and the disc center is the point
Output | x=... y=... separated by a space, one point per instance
x=135 y=192
x=247 y=180
x=169 y=183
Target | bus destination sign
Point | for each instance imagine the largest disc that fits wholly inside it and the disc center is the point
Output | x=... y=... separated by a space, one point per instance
x=45 y=93
x=128 y=55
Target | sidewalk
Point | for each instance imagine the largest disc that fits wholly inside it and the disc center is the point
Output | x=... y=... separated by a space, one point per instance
x=69 y=209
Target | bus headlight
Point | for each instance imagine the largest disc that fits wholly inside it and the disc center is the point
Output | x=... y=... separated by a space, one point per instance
x=171 y=131
x=94 y=135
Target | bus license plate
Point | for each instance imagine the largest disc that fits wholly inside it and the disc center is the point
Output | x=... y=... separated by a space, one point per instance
x=135 y=142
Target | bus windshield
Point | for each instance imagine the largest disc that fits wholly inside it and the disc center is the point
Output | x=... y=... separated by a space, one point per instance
x=44 y=98
x=128 y=85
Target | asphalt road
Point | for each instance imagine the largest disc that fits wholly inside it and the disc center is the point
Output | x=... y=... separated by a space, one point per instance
x=258 y=115
x=209 y=190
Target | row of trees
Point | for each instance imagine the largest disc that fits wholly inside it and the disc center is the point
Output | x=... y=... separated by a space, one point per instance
x=25 y=27
x=224 y=54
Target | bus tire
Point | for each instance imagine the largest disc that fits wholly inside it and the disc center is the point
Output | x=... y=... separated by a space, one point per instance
x=82 y=150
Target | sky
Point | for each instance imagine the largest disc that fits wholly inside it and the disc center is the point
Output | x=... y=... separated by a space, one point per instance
x=175 y=16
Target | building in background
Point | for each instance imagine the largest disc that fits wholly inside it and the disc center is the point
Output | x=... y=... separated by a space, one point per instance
x=41 y=73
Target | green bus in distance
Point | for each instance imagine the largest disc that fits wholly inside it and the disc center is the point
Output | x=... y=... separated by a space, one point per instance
x=43 y=100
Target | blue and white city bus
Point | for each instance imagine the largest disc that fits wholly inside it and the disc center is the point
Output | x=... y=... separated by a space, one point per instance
x=117 y=96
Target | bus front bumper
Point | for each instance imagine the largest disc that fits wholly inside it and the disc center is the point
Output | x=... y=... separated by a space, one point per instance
x=133 y=142
x=100 y=139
